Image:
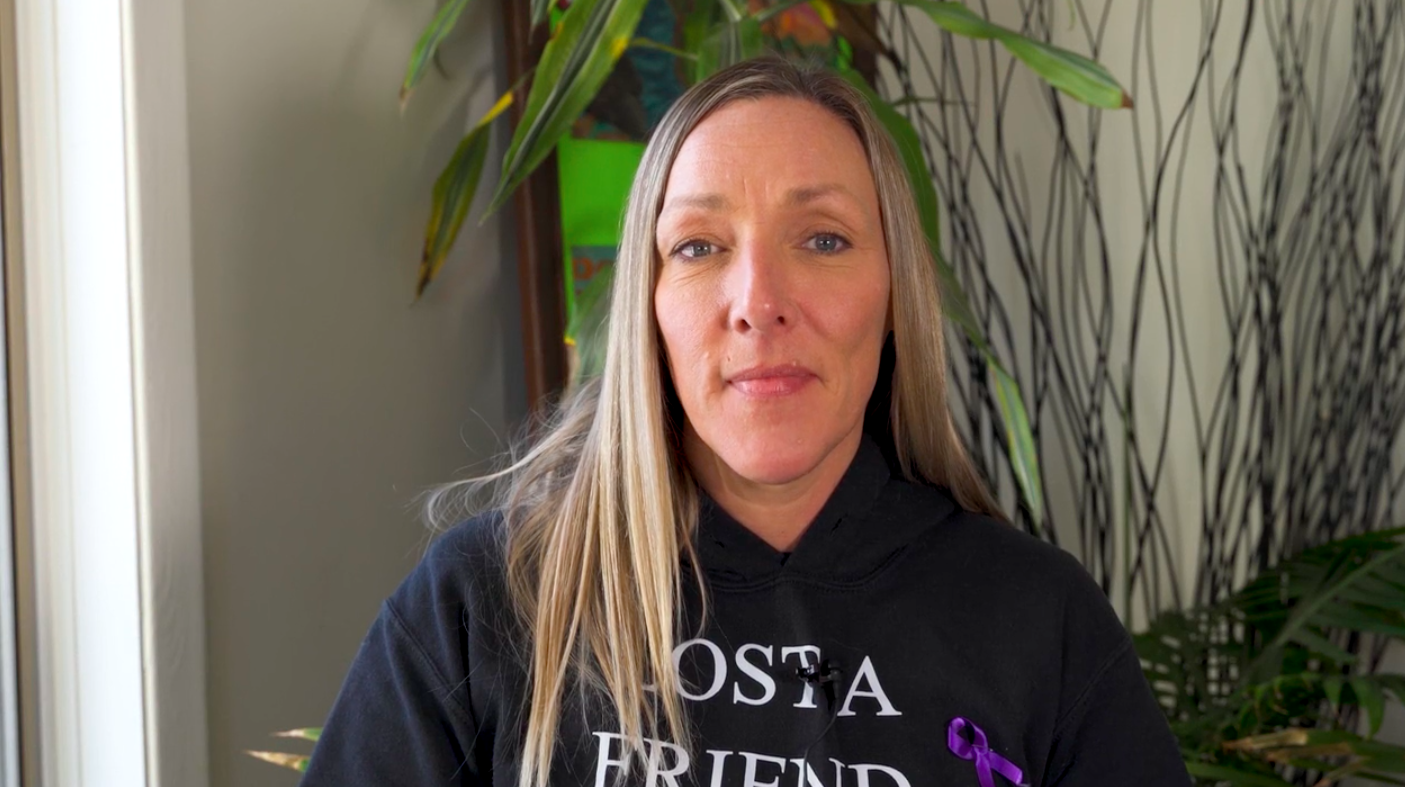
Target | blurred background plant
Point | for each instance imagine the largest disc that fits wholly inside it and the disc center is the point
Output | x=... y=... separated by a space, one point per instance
x=1261 y=688
x=297 y=762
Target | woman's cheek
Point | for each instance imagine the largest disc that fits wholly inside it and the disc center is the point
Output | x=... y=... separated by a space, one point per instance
x=683 y=338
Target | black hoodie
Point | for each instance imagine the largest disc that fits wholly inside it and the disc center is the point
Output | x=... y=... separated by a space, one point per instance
x=904 y=643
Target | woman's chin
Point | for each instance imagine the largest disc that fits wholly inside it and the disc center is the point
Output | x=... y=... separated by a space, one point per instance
x=774 y=465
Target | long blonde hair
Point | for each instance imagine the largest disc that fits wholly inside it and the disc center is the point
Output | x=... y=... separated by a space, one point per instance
x=600 y=511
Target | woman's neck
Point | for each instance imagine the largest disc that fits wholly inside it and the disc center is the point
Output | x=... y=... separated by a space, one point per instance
x=776 y=513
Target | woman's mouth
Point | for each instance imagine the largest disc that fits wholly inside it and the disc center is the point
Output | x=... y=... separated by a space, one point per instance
x=772 y=381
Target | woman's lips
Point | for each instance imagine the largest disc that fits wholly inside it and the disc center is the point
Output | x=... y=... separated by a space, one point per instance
x=772 y=381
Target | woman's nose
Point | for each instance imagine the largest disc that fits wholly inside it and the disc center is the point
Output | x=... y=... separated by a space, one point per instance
x=759 y=296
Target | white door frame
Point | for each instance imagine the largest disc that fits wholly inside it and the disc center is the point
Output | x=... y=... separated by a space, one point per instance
x=106 y=469
x=10 y=580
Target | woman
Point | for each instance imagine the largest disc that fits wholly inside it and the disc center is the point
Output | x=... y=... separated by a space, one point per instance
x=754 y=552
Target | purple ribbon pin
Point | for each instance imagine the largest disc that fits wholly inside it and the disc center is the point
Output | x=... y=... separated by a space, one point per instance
x=978 y=749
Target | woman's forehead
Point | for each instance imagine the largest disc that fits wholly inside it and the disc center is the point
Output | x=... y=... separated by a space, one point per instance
x=784 y=150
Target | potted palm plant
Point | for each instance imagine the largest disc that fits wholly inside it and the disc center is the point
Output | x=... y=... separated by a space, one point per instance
x=1263 y=687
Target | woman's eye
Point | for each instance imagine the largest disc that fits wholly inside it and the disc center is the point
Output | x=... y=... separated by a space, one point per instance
x=827 y=243
x=693 y=249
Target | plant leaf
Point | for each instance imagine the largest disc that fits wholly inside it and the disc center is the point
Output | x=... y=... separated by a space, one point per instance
x=1372 y=700
x=297 y=762
x=860 y=30
x=453 y=194
x=1273 y=740
x=649 y=43
x=588 y=324
x=1216 y=682
x=433 y=35
x=1321 y=645
x=306 y=733
x=1074 y=74
x=736 y=9
x=909 y=146
x=779 y=7
x=1024 y=458
x=703 y=16
x=1084 y=79
x=955 y=306
x=729 y=43
x=1391 y=682
x=1179 y=650
x=1365 y=617
x=582 y=52
x=1332 y=687
x=1305 y=748
x=1314 y=580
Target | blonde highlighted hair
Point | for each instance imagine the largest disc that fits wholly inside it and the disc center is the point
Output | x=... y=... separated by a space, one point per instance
x=600 y=511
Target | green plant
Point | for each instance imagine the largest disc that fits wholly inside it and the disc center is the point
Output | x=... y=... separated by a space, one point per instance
x=1261 y=682
x=297 y=762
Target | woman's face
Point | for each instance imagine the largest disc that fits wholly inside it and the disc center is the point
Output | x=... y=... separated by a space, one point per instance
x=772 y=297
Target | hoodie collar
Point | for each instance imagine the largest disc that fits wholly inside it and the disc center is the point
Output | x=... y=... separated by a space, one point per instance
x=837 y=544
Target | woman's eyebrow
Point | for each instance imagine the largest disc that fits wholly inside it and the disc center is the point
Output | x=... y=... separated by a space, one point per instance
x=800 y=195
x=710 y=202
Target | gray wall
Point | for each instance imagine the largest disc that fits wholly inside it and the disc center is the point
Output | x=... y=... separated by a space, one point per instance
x=327 y=400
